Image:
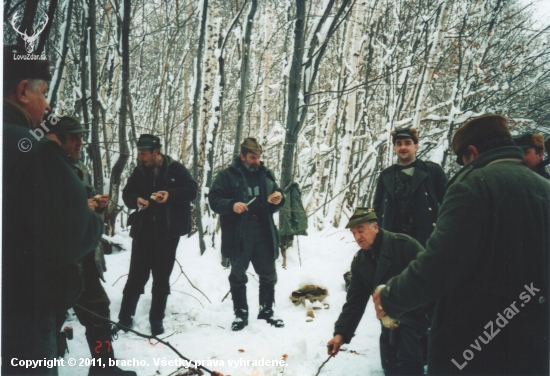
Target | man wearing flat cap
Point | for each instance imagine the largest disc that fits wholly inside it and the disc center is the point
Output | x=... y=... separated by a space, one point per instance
x=486 y=263
x=161 y=190
x=94 y=297
x=47 y=225
x=533 y=147
x=408 y=194
x=383 y=254
x=245 y=195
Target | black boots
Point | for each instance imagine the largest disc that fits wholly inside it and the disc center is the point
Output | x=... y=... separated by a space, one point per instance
x=99 y=342
x=156 y=314
x=267 y=297
x=240 y=307
x=128 y=309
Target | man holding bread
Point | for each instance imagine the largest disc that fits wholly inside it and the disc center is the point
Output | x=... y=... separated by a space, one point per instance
x=161 y=190
x=245 y=195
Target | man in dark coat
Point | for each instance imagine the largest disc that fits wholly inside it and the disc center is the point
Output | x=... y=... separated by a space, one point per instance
x=383 y=254
x=533 y=147
x=161 y=190
x=408 y=194
x=47 y=225
x=486 y=263
x=246 y=195
x=94 y=297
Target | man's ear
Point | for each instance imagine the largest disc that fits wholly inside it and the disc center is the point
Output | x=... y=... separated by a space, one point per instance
x=21 y=92
x=415 y=146
x=473 y=150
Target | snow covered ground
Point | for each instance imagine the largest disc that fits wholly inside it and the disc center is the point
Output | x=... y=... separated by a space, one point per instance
x=201 y=330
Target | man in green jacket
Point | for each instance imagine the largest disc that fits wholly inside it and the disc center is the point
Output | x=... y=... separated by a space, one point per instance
x=245 y=195
x=383 y=254
x=47 y=226
x=486 y=264
x=408 y=194
x=94 y=297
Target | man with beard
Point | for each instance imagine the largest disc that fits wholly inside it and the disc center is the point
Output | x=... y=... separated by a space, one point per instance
x=486 y=263
x=47 y=225
x=161 y=189
x=245 y=195
x=94 y=297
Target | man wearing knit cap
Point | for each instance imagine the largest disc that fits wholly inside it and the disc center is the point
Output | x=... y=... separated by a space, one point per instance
x=47 y=224
x=383 y=254
x=533 y=147
x=486 y=263
x=408 y=194
x=245 y=195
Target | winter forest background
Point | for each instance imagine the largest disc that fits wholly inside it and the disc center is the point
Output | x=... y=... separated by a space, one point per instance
x=320 y=82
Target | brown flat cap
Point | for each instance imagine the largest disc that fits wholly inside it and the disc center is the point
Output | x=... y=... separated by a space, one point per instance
x=250 y=144
x=478 y=130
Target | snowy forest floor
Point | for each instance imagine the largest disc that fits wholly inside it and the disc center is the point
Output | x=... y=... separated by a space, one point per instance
x=202 y=331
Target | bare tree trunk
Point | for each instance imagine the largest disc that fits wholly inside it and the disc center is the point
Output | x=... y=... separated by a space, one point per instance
x=120 y=164
x=84 y=70
x=245 y=63
x=28 y=21
x=196 y=120
x=64 y=44
x=94 y=151
x=294 y=80
x=267 y=66
x=46 y=33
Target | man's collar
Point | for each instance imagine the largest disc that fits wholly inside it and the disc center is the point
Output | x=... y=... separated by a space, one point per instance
x=407 y=165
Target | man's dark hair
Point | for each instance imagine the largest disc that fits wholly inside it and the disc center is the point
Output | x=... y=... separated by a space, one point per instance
x=493 y=143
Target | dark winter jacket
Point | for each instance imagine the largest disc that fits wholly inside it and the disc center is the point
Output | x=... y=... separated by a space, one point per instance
x=84 y=175
x=182 y=190
x=229 y=187
x=488 y=253
x=396 y=251
x=293 y=215
x=427 y=191
x=541 y=170
x=47 y=228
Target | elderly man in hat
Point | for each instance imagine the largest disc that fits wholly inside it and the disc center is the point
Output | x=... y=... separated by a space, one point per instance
x=161 y=189
x=246 y=195
x=408 y=194
x=533 y=147
x=486 y=263
x=94 y=297
x=383 y=254
x=47 y=225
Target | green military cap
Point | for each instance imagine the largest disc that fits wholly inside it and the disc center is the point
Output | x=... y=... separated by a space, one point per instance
x=148 y=141
x=252 y=145
x=529 y=140
x=361 y=215
x=71 y=125
x=411 y=133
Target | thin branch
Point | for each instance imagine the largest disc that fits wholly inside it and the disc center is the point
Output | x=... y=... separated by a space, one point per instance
x=191 y=283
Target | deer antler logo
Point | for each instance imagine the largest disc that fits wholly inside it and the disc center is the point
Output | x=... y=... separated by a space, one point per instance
x=29 y=40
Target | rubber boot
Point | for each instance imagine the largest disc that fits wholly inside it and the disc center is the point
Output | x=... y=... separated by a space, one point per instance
x=103 y=355
x=156 y=314
x=267 y=297
x=128 y=310
x=240 y=307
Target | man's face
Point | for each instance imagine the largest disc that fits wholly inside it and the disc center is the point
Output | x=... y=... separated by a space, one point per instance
x=34 y=101
x=405 y=149
x=73 y=146
x=148 y=158
x=251 y=159
x=364 y=234
x=533 y=158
